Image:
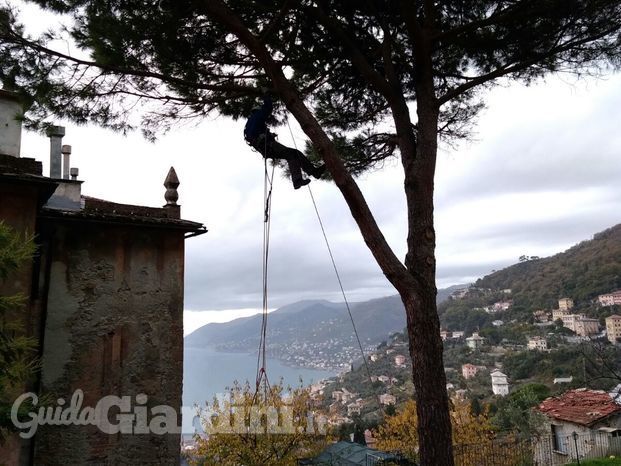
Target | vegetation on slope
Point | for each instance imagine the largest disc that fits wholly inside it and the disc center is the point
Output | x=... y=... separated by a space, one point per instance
x=582 y=272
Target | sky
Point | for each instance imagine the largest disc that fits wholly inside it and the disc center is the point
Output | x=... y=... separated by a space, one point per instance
x=541 y=173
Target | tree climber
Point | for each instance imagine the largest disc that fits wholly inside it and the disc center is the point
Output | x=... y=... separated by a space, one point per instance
x=264 y=141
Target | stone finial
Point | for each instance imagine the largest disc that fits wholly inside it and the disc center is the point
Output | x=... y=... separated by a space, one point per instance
x=171 y=183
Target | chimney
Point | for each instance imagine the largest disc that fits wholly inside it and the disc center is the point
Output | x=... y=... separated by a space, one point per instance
x=11 y=110
x=68 y=194
x=56 y=133
x=66 y=151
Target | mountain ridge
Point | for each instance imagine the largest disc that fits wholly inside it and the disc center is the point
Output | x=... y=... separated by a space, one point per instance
x=318 y=333
x=582 y=272
x=310 y=333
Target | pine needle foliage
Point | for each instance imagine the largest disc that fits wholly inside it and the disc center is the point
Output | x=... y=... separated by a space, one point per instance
x=18 y=361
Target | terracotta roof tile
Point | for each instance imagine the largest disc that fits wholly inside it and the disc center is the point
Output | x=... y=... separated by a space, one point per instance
x=581 y=406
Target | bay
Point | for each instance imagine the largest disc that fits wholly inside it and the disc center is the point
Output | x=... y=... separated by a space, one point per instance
x=207 y=372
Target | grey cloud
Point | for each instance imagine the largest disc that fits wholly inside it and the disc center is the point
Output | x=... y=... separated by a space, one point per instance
x=543 y=154
x=229 y=275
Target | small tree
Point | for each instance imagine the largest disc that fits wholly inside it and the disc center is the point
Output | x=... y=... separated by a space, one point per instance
x=17 y=360
x=399 y=432
x=515 y=413
x=268 y=428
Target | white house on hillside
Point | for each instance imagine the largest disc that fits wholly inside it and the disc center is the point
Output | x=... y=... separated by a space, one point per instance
x=537 y=343
x=399 y=360
x=387 y=399
x=475 y=341
x=500 y=385
x=610 y=299
x=565 y=304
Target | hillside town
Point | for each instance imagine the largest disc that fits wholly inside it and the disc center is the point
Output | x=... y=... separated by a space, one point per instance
x=482 y=371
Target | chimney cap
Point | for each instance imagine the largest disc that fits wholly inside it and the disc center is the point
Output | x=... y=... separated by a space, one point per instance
x=58 y=131
x=65 y=149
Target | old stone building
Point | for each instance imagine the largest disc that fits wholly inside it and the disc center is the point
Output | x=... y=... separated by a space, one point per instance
x=105 y=301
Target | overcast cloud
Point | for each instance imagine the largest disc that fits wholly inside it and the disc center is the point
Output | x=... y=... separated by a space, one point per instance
x=541 y=175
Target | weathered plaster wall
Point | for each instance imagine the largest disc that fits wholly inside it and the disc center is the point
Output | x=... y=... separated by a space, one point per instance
x=114 y=326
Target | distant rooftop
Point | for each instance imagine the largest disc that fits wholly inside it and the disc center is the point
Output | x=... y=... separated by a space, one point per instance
x=346 y=453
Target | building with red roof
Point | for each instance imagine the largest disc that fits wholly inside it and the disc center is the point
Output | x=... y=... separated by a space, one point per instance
x=587 y=414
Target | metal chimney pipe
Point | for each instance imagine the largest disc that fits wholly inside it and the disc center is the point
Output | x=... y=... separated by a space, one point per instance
x=56 y=133
x=66 y=151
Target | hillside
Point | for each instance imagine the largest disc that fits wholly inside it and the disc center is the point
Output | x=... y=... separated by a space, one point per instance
x=312 y=333
x=582 y=272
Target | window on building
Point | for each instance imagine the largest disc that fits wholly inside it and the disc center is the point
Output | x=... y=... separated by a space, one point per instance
x=558 y=440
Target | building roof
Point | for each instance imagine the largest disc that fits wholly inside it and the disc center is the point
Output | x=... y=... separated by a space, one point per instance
x=614 y=317
x=346 y=454
x=563 y=379
x=28 y=172
x=22 y=171
x=582 y=406
x=112 y=212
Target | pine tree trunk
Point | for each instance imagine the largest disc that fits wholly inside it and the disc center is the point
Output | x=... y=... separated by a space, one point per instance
x=434 y=425
x=423 y=324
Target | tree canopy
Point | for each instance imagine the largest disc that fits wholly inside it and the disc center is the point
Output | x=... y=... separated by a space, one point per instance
x=348 y=60
x=398 y=433
x=273 y=426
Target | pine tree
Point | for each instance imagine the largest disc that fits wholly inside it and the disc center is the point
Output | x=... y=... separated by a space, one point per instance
x=348 y=72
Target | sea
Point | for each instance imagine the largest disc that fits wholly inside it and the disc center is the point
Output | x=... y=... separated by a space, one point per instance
x=207 y=373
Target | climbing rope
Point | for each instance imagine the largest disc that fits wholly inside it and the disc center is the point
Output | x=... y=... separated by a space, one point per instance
x=338 y=277
x=262 y=380
x=268 y=185
x=336 y=271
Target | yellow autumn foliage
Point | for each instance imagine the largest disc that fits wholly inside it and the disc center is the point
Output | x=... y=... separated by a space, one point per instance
x=270 y=428
x=400 y=433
